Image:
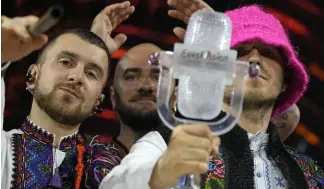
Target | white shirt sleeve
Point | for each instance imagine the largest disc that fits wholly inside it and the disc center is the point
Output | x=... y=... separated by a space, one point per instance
x=134 y=171
x=4 y=138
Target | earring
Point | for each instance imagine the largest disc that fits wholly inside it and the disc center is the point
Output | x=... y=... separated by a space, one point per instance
x=99 y=108
x=29 y=77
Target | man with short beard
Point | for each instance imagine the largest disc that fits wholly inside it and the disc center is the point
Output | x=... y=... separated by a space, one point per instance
x=133 y=96
x=66 y=83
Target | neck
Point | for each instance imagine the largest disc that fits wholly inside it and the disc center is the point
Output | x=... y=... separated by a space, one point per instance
x=127 y=135
x=41 y=119
x=254 y=119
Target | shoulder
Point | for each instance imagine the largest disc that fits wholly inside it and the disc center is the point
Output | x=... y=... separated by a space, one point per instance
x=313 y=173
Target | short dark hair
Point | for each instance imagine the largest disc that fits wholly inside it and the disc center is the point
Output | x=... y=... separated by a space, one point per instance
x=84 y=34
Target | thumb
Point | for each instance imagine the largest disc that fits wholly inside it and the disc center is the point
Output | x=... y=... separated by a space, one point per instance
x=39 y=42
x=120 y=39
x=179 y=32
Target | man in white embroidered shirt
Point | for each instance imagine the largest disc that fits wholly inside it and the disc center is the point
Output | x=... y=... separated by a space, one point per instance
x=66 y=84
x=252 y=155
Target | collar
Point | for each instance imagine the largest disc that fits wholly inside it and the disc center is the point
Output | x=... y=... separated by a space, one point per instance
x=41 y=135
x=259 y=141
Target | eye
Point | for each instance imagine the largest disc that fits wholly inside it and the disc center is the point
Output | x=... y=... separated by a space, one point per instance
x=92 y=74
x=66 y=62
x=242 y=52
x=268 y=53
x=130 y=77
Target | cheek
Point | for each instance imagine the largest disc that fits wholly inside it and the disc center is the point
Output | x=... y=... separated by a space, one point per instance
x=93 y=93
x=276 y=71
x=127 y=91
x=46 y=85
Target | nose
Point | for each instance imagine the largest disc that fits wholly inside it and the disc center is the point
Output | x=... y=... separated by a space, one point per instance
x=254 y=57
x=146 y=86
x=76 y=75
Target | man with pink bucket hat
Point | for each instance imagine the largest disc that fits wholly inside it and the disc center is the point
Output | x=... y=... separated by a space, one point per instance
x=251 y=155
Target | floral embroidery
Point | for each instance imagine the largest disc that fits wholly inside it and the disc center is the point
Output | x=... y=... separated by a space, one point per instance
x=219 y=171
x=29 y=164
x=33 y=156
x=313 y=174
x=104 y=155
x=214 y=178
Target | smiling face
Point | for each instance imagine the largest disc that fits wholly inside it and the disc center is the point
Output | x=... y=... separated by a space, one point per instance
x=70 y=79
x=267 y=87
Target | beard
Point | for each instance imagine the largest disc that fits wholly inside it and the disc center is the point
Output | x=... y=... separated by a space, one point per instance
x=253 y=100
x=141 y=122
x=59 y=111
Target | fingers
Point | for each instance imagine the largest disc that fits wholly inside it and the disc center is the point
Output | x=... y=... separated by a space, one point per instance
x=199 y=130
x=120 y=39
x=39 y=41
x=185 y=8
x=117 y=13
x=191 y=167
x=19 y=25
x=30 y=20
x=119 y=9
x=16 y=27
x=196 y=154
x=215 y=145
x=193 y=142
x=178 y=15
x=179 y=32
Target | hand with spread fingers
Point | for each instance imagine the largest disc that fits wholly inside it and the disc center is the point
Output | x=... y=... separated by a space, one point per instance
x=108 y=19
x=16 y=41
x=183 y=9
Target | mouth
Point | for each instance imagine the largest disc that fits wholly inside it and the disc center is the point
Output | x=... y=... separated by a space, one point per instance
x=147 y=99
x=71 y=92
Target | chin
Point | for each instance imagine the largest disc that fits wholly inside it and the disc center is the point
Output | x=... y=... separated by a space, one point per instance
x=145 y=109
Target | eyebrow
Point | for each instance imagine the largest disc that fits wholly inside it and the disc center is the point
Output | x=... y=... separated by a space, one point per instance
x=128 y=70
x=68 y=53
x=76 y=56
x=137 y=70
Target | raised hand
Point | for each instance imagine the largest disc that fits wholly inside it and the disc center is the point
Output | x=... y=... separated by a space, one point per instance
x=183 y=9
x=16 y=41
x=108 y=19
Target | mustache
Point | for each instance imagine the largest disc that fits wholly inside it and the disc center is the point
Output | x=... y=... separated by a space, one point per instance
x=145 y=96
x=264 y=74
x=73 y=88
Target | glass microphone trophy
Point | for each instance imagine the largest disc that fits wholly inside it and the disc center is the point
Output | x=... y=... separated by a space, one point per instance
x=206 y=68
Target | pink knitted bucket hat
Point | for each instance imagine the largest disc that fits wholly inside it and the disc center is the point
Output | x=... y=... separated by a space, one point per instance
x=251 y=23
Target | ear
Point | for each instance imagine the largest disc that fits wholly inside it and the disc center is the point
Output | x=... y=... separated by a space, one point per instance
x=112 y=97
x=33 y=74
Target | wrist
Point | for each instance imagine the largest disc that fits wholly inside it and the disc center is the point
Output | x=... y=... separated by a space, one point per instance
x=155 y=181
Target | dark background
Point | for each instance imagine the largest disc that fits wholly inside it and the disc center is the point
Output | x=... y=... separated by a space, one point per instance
x=304 y=19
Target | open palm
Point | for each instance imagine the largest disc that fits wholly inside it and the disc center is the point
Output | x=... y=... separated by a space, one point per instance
x=108 y=19
x=183 y=9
